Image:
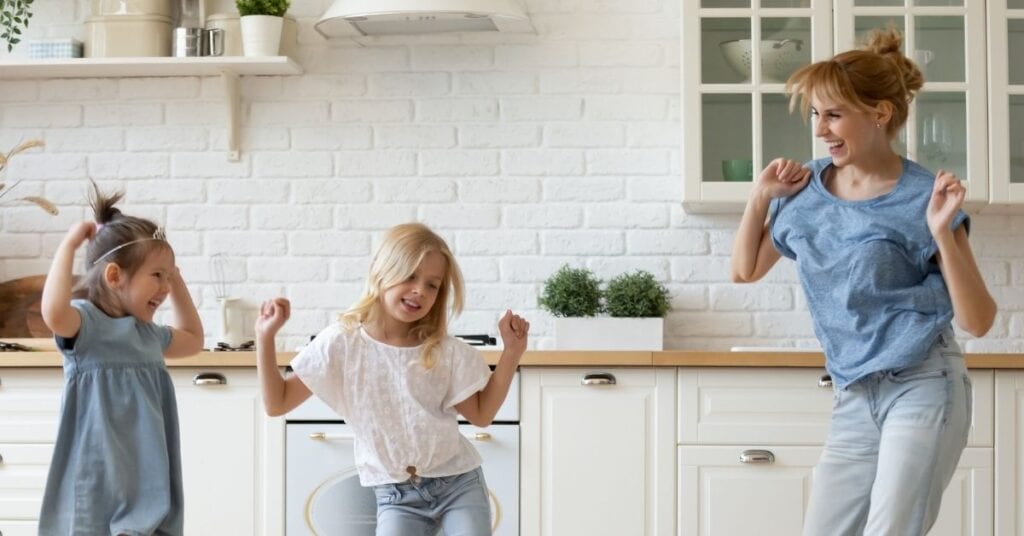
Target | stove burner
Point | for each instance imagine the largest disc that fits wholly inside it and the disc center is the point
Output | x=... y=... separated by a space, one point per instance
x=13 y=347
x=247 y=346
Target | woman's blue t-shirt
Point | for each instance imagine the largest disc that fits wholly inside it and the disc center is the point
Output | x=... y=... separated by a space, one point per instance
x=875 y=292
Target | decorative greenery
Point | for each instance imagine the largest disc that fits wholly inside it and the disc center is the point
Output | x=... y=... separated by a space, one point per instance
x=274 y=8
x=41 y=202
x=14 y=15
x=636 y=295
x=572 y=292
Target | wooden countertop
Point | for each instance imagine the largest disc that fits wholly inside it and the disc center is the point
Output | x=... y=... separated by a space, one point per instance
x=47 y=356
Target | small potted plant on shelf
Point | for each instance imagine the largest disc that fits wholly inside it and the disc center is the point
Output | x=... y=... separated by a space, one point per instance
x=14 y=15
x=636 y=304
x=261 y=22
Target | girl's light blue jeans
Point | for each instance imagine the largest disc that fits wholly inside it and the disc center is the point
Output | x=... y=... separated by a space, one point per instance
x=457 y=505
x=893 y=444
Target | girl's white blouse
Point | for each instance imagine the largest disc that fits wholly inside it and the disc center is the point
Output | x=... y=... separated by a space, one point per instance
x=402 y=414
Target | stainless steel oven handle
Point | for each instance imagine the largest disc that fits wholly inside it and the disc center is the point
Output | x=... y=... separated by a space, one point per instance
x=479 y=436
x=324 y=436
x=600 y=378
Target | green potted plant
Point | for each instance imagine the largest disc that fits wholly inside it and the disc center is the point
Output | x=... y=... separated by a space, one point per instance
x=636 y=295
x=41 y=202
x=261 y=22
x=14 y=15
x=571 y=292
x=635 y=304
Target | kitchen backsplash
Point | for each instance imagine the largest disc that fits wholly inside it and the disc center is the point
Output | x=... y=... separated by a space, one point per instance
x=525 y=151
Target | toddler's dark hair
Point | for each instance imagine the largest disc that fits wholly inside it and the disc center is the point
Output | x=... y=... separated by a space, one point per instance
x=120 y=239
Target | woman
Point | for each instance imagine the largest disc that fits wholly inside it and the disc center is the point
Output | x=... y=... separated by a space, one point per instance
x=881 y=249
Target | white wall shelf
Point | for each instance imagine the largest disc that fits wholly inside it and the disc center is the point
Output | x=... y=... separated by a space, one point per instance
x=11 y=69
x=229 y=68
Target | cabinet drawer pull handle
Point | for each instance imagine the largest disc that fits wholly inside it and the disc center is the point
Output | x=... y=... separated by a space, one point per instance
x=323 y=436
x=825 y=381
x=1 y=461
x=757 y=456
x=602 y=378
x=479 y=436
x=209 y=378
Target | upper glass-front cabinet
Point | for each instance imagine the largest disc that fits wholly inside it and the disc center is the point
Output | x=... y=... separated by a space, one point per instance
x=736 y=115
x=1006 y=126
x=946 y=128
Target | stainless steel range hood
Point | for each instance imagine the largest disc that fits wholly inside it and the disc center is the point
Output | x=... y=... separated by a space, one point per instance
x=347 y=18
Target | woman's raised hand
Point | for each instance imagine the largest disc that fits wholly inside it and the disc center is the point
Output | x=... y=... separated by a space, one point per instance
x=273 y=314
x=781 y=178
x=947 y=197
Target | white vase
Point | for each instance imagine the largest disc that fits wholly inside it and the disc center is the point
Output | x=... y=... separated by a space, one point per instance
x=608 y=333
x=261 y=35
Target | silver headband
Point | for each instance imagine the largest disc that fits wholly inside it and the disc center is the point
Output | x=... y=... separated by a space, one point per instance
x=157 y=235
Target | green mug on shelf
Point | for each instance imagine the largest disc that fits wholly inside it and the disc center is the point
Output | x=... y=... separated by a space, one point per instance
x=738 y=169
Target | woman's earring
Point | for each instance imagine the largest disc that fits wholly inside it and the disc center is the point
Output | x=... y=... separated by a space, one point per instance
x=878 y=125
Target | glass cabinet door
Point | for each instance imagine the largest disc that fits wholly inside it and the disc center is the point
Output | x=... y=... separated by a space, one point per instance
x=946 y=127
x=1006 y=25
x=735 y=113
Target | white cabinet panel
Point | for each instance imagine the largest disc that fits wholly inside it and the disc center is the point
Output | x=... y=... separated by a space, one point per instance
x=231 y=453
x=598 y=459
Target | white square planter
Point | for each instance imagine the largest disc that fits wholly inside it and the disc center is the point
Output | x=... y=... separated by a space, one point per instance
x=608 y=333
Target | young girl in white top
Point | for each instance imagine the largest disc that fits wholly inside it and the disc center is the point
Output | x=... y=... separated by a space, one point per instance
x=396 y=376
x=116 y=465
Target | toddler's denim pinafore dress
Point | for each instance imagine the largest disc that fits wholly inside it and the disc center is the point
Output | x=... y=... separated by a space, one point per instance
x=116 y=466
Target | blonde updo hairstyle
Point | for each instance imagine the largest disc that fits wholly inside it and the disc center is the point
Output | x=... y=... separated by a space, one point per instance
x=397 y=257
x=108 y=246
x=863 y=78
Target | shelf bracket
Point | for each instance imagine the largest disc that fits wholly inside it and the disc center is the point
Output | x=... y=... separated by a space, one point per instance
x=231 y=99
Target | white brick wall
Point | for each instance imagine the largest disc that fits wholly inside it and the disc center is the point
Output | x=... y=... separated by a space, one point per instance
x=526 y=151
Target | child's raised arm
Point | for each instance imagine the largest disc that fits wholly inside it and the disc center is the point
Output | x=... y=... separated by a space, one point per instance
x=480 y=408
x=280 y=394
x=187 y=327
x=63 y=319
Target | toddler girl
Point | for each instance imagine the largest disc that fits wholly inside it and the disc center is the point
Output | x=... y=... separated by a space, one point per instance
x=116 y=465
x=396 y=376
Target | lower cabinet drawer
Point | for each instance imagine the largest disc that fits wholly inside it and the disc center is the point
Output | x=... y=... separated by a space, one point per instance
x=9 y=527
x=23 y=471
x=739 y=406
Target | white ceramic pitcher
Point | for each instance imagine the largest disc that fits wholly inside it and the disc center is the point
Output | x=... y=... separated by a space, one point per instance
x=232 y=321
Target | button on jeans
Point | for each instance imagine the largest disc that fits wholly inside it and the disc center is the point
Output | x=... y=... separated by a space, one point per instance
x=458 y=505
x=893 y=444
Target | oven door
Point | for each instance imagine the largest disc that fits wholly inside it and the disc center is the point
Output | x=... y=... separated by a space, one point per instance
x=324 y=496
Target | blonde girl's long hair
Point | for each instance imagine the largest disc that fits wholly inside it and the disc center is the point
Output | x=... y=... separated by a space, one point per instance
x=397 y=257
x=862 y=78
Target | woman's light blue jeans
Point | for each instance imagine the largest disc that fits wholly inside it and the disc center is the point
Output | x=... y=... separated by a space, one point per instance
x=894 y=442
x=457 y=505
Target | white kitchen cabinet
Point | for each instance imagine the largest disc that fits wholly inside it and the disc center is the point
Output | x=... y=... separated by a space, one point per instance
x=736 y=115
x=720 y=493
x=749 y=439
x=1006 y=94
x=598 y=451
x=1009 y=453
x=29 y=416
x=232 y=453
